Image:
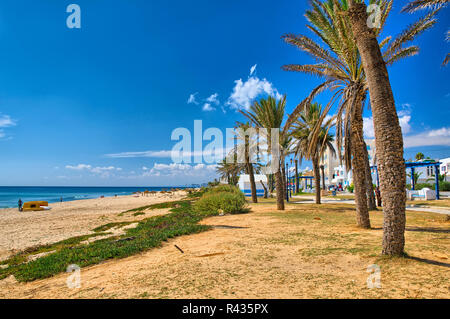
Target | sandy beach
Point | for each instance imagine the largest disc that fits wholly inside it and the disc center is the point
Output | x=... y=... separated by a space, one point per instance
x=21 y=230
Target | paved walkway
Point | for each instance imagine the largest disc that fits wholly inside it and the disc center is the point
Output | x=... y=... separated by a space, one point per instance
x=311 y=199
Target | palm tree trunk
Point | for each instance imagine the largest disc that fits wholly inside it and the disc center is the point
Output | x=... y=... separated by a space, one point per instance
x=371 y=204
x=251 y=175
x=297 y=180
x=283 y=171
x=266 y=194
x=250 y=172
x=359 y=168
x=322 y=169
x=388 y=134
x=316 y=178
x=270 y=179
x=280 y=193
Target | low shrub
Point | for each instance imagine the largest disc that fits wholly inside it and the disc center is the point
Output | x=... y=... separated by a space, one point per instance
x=225 y=188
x=351 y=188
x=444 y=186
x=228 y=201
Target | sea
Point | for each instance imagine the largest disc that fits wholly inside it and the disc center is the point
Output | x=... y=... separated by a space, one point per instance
x=9 y=196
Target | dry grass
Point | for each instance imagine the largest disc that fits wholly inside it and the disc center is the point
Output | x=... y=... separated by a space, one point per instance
x=438 y=203
x=305 y=252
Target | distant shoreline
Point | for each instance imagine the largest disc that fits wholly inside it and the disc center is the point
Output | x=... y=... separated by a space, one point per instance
x=9 y=195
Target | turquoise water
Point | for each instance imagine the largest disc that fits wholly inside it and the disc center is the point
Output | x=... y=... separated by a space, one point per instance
x=9 y=196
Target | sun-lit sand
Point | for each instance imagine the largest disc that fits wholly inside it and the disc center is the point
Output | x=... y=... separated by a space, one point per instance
x=304 y=252
x=21 y=230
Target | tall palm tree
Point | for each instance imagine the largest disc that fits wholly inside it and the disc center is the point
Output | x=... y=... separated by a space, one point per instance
x=307 y=146
x=242 y=129
x=388 y=133
x=269 y=114
x=339 y=65
x=416 y=5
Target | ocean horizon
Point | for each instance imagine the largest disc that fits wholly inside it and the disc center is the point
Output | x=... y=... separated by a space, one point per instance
x=10 y=195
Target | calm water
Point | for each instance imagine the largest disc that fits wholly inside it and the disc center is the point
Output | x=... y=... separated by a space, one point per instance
x=9 y=196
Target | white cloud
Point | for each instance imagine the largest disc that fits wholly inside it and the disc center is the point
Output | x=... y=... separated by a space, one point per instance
x=213 y=99
x=151 y=154
x=429 y=138
x=182 y=170
x=104 y=171
x=79 y=167
x=219 y=153
x=253 y=69
x=6 y=121
x=404 y=118
x=207 y=107
x=244 y=93
x=192 y=99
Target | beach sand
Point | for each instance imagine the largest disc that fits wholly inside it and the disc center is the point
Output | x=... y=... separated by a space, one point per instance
x=268 y=254
x=21 y=230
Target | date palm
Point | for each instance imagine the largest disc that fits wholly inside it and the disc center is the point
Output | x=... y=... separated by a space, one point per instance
x=308 y=147
x=338 y=63
x=230 y=171
x=388 y=133
x=269 y=114
x=416 y=5
x=244 y=135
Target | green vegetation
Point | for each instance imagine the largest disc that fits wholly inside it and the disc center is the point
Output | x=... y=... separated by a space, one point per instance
x=106 y=227
x=149 y=233
x=225 y=199
x=351 y=188
x=443 y=186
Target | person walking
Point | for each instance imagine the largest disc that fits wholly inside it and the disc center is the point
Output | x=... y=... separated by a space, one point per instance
x=20 y=203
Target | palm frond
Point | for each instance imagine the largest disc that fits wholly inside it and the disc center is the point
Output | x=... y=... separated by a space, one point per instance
x=416 y=5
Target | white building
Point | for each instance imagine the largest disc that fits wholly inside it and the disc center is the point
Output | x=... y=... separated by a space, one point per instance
x=336 y=172
x=445 y=168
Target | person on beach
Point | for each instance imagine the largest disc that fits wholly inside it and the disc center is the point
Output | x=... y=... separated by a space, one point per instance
x=61 y=199
x=20 y=203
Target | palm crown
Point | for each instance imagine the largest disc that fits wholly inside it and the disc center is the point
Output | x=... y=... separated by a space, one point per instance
x=338 y=63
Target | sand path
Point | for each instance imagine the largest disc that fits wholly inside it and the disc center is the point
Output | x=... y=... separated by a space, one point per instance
x=21 y=230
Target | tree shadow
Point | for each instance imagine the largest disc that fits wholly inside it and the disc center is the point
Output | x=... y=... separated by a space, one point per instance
x=429 y=230
x=228 y=227
x=429 y=261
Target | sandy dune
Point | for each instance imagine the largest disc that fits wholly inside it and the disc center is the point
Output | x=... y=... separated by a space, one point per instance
x=20 y=230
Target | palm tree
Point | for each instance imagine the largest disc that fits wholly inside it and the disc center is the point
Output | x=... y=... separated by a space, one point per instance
x=415 y=177
x=339 y=65
x=242 y=129
x=269 y=114
x=307 y=146
x=371 y=203
x=416 y=5
x=322 y=172
x=229 y=171
x=388 y=133
x=419 y=156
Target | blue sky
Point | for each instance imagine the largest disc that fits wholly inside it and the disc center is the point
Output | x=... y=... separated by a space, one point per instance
x=121 y=83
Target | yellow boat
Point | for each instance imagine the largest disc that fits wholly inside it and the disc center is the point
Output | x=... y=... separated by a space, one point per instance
x=35 y=206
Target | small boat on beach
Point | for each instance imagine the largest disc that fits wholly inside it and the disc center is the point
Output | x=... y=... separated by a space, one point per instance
x=35 y=206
